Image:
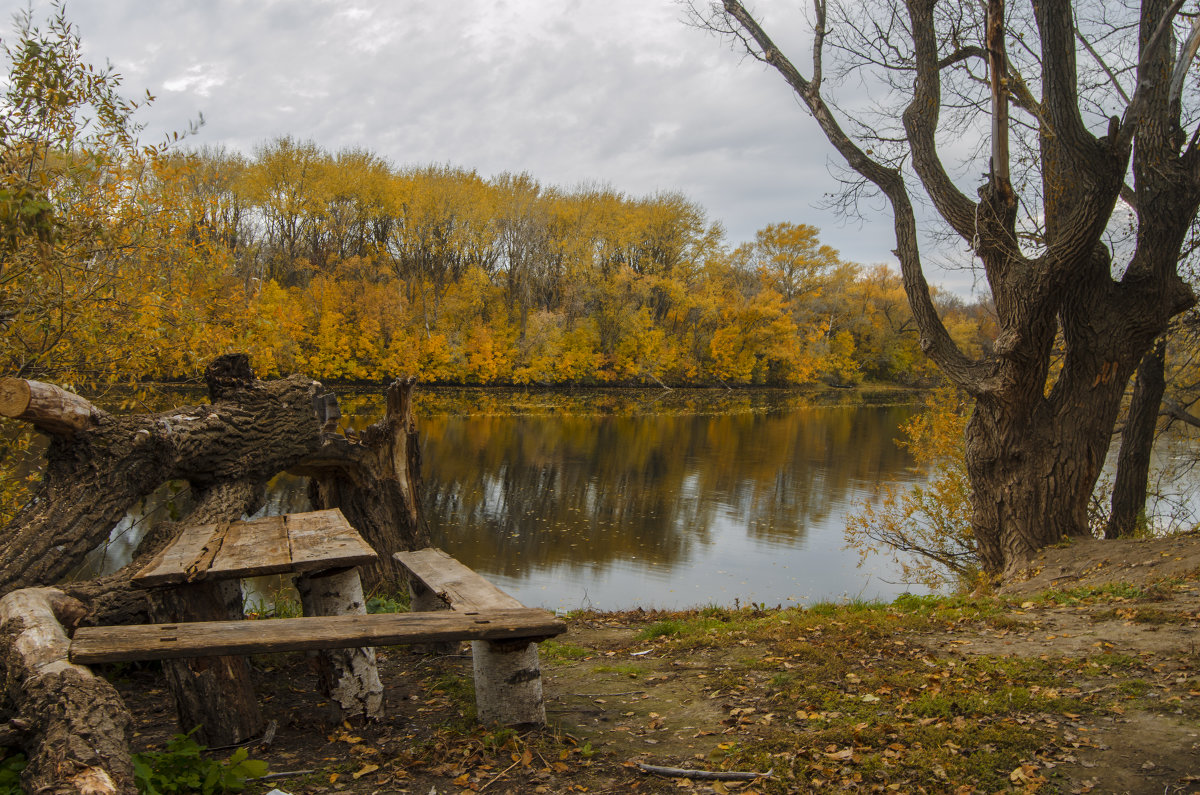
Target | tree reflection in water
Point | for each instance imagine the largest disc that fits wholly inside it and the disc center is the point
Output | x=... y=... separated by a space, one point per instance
x=681 y=502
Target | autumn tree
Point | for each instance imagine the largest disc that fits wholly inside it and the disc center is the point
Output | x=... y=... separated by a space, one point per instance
x=1086 y=113
x=69 y=200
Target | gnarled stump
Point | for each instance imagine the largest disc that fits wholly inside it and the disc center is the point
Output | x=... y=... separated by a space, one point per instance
x=376 y=483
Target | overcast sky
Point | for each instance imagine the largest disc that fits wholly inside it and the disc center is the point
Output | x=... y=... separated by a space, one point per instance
x=619 y=92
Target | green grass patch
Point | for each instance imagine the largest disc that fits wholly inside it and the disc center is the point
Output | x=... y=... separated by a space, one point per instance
x=554 y=651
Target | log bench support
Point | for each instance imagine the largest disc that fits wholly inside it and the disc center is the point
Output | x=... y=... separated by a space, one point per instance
x=504 y=635
x=508 y=676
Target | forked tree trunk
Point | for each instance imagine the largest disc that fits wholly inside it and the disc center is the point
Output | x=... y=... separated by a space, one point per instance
x=1137 y=445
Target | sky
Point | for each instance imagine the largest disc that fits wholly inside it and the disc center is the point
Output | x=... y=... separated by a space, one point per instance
x=615 y=92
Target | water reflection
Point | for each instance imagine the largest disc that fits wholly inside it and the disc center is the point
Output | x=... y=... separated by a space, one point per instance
x=664 y=509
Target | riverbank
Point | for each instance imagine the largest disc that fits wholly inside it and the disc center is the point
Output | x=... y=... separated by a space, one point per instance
x=1092 y=688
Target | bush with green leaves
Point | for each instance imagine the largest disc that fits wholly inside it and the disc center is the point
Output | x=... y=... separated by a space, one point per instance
x=182 y=767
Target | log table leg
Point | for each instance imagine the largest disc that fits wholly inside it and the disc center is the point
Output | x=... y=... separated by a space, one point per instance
x=349 y=677
x=214 y=693
x=508 y=683
x=420 y=600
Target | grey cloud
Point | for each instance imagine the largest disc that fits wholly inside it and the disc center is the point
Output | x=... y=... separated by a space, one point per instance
x=619 y=92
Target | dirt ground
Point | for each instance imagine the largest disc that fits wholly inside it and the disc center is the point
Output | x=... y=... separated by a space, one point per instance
x=617 y=696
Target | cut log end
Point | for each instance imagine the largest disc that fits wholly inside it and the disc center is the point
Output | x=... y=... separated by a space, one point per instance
x=49 y=408
x=14 y=396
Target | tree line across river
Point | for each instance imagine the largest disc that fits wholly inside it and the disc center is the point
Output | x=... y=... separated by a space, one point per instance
x=344 y=267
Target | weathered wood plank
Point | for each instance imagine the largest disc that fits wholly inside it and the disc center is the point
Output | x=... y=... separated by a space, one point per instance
x=458 y=585
x=171 y=565
x=210 y=638
x=252 y=549
x=324 y=540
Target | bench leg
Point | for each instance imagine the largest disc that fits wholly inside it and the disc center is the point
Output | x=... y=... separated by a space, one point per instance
x=214 y=693
x=422 y=600
x=349 y=677
x=508 y=683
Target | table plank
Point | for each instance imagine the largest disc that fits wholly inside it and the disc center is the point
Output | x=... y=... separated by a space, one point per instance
x=456 y=583
x=325 y=540
x=170 y=565
x=252 y=549
x=214 y=638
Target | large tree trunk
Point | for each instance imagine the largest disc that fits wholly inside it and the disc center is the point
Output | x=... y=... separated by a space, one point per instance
x=1032 y=476
x=101 y=465
x=1137 y=445
x=376 y=483
x=92 y=476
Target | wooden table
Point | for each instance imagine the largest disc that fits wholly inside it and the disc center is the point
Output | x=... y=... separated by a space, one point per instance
x=197 y=577
x=298 y=542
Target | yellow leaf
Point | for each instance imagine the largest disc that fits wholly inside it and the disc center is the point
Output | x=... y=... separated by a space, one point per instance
x=365 y=770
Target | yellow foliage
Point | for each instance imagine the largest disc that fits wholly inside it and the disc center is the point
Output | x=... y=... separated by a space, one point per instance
x=926 y=528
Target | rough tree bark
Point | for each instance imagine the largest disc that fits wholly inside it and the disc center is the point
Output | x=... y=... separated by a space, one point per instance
x=1137 y=444
x=1038 y=436
x=375 y=481
x=250 y=432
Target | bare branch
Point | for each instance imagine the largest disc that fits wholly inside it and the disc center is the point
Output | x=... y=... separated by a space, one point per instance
x=1112 y=77
x=1133 y=113
x=1187 y=54
x=998 y=74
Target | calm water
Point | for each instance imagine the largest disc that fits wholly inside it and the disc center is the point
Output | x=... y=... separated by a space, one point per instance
x=616 y=499
x=621 y=499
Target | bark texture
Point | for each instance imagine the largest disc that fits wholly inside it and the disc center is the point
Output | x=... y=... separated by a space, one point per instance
x=376 y=480
x=92 y=477
x=508 y=683
x=214 y=695
x=1137 y=445
x=72 y=725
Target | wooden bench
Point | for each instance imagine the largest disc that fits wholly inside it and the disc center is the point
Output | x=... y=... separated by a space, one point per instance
x=508 y=678
x=504 y=635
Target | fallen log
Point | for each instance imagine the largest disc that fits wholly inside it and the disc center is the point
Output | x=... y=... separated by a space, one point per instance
x=249 y=433
x=48 y=407
x=375 y=480
x=73 y=726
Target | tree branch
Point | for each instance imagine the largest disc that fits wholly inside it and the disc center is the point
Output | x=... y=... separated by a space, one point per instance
x=974 y=376
x=1133 y=113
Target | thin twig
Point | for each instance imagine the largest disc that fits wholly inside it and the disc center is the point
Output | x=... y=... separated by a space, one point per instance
x=499 y=775
x=704 y=775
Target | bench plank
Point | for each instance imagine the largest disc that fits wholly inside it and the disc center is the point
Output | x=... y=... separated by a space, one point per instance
x=211 y=638
x=299 y=542
x=252 y=549
x=171 y=564
x=454 y=582
x=319 y=537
